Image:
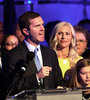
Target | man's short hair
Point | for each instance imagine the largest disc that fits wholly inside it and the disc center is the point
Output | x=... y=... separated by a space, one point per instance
x=23 y=20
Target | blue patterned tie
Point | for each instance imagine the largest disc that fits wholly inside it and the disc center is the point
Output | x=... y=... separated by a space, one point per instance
x=37 y=61
x=38 y=65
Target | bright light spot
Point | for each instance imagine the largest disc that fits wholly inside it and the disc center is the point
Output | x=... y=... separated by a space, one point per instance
x=28 y=2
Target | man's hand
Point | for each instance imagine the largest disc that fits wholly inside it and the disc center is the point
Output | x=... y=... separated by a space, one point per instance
x=44 y=71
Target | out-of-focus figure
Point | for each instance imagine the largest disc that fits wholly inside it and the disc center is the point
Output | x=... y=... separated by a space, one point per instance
x=82 y=38
x=18 y=33
x=1 y=32
x=1 y=39
x=10 y=42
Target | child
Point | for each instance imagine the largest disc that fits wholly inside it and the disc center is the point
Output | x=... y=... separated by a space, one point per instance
x=81 y=76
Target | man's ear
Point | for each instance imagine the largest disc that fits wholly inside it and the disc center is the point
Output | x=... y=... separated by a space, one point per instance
x=25 y=31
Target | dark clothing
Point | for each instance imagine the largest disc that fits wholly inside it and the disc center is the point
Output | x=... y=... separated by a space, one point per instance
x=68 y=76
x=14 y=79
x=86 y=54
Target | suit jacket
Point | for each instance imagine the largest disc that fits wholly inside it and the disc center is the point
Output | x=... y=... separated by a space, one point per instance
x=13 y=62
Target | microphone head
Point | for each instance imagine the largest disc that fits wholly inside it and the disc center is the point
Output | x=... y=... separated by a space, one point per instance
x=23 y=68
x=23 y=65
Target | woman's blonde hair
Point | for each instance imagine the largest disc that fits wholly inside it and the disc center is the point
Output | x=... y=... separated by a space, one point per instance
x=73 y=55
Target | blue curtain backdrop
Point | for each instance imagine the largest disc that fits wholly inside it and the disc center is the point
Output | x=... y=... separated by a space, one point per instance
x=9 y=16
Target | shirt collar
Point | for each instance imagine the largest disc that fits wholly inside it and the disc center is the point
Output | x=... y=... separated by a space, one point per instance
x=31 y=47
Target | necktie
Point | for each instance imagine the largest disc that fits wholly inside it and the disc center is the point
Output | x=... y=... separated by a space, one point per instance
x=37 y=61
x=38 y=65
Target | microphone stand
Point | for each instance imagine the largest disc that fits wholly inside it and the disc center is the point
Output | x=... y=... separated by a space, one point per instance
x=20 y=70
x=16 y=81
x=16 y=95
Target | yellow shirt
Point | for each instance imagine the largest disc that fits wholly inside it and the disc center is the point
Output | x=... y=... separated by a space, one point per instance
x=65 y=64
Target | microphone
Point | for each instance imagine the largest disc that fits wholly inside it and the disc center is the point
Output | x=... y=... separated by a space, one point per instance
x=21 y=67
x=29 y=57
x=24 y=65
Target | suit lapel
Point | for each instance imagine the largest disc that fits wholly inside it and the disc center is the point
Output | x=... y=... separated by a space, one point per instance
x=43 y=55
x=45 y=63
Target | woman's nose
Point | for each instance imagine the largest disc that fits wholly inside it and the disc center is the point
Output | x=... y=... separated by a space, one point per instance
x=63 y=35
x=88 y=75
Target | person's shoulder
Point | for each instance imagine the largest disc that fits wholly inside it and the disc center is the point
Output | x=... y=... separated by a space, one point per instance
x=48 y=49
x=48 y=52
x=80 y=57
x=86 y=54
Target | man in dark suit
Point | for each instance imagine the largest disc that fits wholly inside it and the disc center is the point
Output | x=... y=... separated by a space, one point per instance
x=49 y=76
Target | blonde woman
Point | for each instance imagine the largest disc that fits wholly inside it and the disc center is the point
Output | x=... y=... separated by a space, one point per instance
x=63 y=41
